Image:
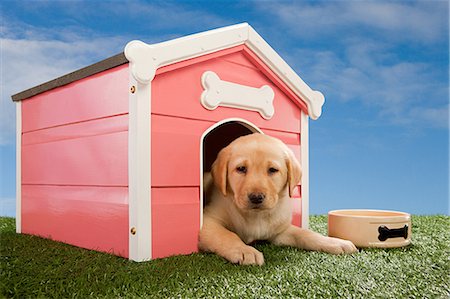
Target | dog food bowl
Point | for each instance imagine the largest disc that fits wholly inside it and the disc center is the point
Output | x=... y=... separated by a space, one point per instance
x=371 y=228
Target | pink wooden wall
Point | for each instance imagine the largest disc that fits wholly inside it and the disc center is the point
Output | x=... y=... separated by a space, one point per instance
x=178 y=121
x=75 y=163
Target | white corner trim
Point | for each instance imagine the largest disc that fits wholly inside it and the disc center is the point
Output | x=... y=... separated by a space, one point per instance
x=19 y=167
x=228 y=94
x=143 y=61
x=304 y=146
x=139 y=172
x=313 y=99
x=146 y=59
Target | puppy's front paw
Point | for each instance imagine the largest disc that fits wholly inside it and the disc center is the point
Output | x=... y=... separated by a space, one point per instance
x=339 y=246
x=245 y=255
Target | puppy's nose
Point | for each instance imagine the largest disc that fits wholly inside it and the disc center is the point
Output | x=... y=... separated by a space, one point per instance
x=256 y=198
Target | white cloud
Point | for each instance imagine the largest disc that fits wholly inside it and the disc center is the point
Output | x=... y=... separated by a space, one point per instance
x=378 y=53
x=435 y=117
x=150 y=21
x=29 y=62
x=421 y=21
x=400 y=92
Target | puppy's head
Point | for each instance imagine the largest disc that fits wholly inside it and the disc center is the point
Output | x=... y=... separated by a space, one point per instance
x=256 y=169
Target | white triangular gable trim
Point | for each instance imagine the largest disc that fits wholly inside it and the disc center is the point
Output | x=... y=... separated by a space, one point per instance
x=145 y=59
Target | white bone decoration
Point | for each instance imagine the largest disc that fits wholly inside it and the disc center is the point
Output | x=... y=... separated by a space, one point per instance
x=228 y=94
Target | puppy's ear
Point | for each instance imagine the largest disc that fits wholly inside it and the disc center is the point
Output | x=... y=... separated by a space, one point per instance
x=294 y=174
x=219 y=170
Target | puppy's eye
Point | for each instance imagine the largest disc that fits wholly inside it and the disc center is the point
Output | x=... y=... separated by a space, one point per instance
x=272 y=170
x=241 y=169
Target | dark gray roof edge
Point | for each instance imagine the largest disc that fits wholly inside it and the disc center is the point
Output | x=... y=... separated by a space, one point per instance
x=90 y=70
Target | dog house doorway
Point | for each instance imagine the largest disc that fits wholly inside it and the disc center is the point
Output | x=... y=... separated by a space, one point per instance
x=216 y=138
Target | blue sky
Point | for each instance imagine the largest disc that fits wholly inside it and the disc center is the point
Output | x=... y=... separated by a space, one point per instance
x=382 y=140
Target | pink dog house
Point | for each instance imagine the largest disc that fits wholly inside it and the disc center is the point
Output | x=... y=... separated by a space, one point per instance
x=111 y=157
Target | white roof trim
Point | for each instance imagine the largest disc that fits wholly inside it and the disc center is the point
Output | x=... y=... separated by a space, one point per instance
x=145 y=59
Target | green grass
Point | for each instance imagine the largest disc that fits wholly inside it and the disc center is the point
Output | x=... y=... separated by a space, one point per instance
x=33 y=267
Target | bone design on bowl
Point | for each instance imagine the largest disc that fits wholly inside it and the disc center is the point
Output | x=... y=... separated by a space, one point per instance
x=386 y=233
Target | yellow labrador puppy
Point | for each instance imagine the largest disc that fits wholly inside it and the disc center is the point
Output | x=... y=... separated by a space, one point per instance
x=248 y=193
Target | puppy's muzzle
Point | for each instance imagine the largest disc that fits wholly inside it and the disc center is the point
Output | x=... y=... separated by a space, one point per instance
x=256 y=198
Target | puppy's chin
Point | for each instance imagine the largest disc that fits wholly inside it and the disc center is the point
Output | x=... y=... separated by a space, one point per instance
x=243 y=204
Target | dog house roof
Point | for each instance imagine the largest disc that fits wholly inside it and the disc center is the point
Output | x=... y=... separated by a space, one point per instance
x=145 y=59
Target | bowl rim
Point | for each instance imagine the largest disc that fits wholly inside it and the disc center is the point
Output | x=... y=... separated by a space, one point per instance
x=370 y=213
